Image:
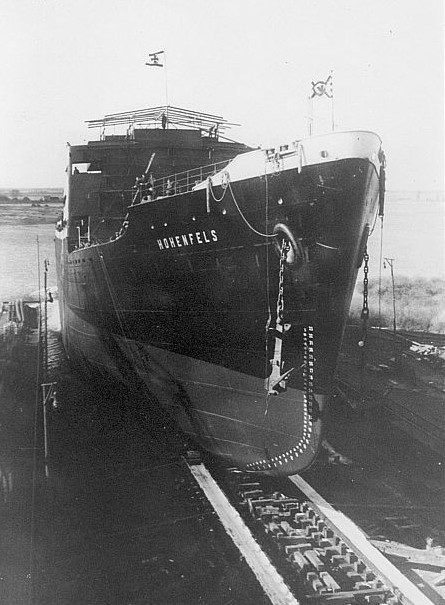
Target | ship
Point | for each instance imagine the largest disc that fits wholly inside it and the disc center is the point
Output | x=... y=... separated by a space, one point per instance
x=216 y=276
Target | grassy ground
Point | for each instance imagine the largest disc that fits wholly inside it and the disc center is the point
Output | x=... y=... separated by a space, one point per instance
x=419 y=304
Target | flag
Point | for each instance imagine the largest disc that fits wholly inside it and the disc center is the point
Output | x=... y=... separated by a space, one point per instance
x=321 y=88
x=153 y=59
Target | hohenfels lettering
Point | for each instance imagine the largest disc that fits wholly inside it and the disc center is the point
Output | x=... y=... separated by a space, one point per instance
x=187 y=239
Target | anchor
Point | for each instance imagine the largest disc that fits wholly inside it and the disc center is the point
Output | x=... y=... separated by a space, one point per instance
x=276 y=382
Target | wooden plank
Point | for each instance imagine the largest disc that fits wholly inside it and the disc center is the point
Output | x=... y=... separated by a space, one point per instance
x=270 y=580
x=352 y=535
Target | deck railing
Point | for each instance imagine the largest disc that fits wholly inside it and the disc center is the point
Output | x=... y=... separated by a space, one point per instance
x=173 y=184
x=182 y=182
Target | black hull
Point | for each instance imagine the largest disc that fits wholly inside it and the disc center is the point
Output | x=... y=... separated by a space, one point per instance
x=184 y=299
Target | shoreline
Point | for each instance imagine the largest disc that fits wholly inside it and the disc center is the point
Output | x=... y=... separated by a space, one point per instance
x=19 y=214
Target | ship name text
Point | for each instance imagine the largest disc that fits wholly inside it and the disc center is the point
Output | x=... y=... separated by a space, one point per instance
x=187 y=239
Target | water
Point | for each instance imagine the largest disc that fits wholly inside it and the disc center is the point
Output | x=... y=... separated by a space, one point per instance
x=18 y=258
x=413 y=235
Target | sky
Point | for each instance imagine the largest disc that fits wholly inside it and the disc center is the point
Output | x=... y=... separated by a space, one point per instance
x=251 y=61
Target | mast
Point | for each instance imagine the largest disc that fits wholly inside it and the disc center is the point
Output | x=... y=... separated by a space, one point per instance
x=166 y=86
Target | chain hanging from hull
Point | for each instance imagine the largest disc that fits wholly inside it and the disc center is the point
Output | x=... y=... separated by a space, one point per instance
x=276 y=382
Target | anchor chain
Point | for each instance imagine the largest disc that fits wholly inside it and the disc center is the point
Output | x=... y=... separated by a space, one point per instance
x=364 y=316
x=276 y=382
x=365 y=309
x=280 y=300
